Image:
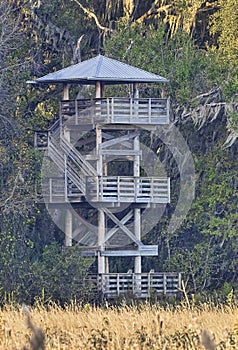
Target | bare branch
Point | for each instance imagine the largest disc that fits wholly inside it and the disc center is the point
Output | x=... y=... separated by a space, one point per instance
x=92 y=15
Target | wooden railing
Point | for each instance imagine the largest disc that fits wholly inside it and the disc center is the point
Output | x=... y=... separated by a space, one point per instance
x=142 y=285
x=57 y=190
x=128 y=189
x=114 y=110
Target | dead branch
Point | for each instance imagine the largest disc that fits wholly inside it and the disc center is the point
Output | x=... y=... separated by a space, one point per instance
x=92 y=15
x=155 y=10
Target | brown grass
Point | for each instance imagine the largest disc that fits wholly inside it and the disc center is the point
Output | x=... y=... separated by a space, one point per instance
x=147 y=327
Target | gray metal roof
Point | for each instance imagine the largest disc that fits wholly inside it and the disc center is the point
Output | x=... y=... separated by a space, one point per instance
x=101 y=68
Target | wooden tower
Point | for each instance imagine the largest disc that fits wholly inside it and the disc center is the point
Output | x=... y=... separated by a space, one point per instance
x=92 y=179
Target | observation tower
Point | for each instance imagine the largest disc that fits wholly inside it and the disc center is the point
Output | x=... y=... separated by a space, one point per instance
x=98 y=181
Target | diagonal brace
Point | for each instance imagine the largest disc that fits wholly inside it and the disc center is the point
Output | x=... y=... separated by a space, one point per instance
x=114 y=229
x=122 y=227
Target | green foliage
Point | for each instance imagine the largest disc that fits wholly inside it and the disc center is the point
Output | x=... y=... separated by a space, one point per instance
x=60 y=275
x=176 y=58
x=224 y=27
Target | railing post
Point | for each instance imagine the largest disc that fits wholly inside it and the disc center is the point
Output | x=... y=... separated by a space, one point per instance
x=131 y=110
x=179 y=281
x=50 y=189
x=108 y=111
x=118 y=188
x=152 y=195
x=76 y=112
x=148 y=284
x=99 y=194
x=165 y=283
x=149 y=110
x=168 y=184
x=112 y=109
x=167 y=110
x=118 y=284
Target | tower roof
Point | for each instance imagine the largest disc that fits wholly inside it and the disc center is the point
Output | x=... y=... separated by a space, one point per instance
x=103 y=69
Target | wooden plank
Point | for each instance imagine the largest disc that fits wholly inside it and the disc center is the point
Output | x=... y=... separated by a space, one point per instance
x=119 y=152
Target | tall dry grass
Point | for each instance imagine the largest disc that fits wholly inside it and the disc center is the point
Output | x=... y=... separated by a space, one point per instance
x=144 y=327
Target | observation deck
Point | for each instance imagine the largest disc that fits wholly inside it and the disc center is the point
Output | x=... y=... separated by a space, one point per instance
x=115 y=110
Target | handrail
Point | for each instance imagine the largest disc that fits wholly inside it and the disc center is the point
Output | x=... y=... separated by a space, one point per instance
x=57 y=153
x=117 y=110
x=142 y=284
x=77 y=158
x=128 y=189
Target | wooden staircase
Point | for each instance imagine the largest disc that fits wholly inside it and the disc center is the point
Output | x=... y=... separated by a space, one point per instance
x=80 y=182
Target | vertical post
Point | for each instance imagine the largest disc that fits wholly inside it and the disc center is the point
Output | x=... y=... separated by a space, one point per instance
x=65 y=97
x=51 y=189
x=137 y=229
x=98 y=92
x=68 y=217
x=168 y=110
x=165 y=283
x=101 y=215
x=135 y=90
x=104 y=172
x=137 y=216
x=68 y=228
x=136 y=103
x=66 y=92
x=101 y=235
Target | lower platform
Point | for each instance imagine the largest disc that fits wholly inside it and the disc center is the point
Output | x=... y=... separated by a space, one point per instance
x=139 y=285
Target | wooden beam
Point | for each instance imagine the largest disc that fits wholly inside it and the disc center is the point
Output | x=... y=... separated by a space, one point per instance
x=149 y=251
x=119 y=152
x=115 y=229
x=120 y=139
x=122 y=227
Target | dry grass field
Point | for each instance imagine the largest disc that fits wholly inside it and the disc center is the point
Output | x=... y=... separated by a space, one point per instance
x=139 y=327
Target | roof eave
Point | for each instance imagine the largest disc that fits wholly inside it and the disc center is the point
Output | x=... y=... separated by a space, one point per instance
x=92 y=81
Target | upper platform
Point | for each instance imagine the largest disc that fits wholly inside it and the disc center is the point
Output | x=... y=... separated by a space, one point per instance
x=101 y=71
x=115 y=110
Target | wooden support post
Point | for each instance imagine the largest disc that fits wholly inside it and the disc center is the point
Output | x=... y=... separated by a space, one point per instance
x=66 y=92
x=101 y=214
x=101 y=235
x=137 y=216
x=98 y=92
x=106 y=264
x=68 y=217
x=104 y=171
x=98 y=143
x=135 y=90
x=68 y=228
x=137 y=228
